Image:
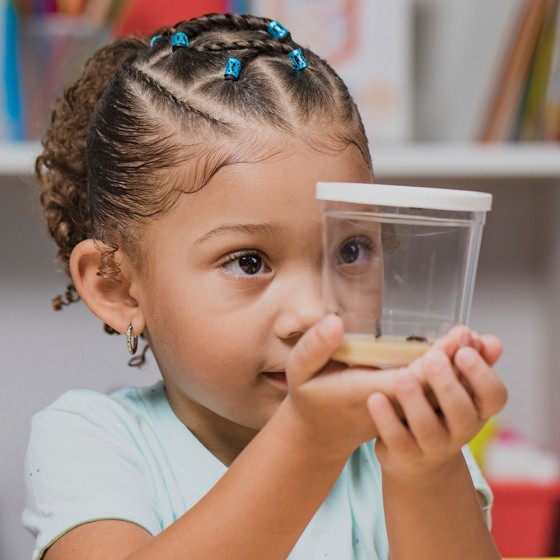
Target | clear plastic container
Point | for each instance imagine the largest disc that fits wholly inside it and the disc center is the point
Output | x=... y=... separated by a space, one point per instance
x=400 y=265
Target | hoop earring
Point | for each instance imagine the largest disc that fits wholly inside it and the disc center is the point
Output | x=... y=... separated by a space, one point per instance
x=131 y=341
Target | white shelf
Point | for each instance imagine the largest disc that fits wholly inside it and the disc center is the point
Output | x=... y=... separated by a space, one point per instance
x=515 y=161
x=408 y=161
x=17 y=159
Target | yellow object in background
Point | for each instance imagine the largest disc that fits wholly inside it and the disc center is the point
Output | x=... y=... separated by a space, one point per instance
x=480 y=442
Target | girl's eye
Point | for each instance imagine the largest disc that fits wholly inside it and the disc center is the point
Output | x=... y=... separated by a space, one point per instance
x=356 y=251
x=246 y=264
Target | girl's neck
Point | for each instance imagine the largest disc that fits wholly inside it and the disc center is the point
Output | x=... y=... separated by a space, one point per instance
x=223 y=438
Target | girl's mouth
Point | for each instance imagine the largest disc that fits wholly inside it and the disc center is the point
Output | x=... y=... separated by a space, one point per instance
x=277 y=376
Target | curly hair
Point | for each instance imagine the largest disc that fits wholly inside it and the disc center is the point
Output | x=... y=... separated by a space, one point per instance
x=121 y=134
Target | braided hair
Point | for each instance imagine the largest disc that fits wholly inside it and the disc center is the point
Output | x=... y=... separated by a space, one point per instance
x=142 y=109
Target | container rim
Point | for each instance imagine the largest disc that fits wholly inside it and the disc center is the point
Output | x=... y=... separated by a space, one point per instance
x=405 y=196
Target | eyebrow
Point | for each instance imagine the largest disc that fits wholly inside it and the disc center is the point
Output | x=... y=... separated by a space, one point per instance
x=266 y=230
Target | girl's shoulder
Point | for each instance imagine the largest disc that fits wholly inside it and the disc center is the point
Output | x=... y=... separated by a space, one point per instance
x=127 y=404
x=129 y=417
x=134 y=423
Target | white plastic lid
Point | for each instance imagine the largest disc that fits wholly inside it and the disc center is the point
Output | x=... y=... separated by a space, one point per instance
x=408 y=197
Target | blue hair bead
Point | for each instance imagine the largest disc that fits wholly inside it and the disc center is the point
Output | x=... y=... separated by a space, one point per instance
x=154 y=40
x=277 y=30
x=233 y=68
x=298 y=60
x=179 y=40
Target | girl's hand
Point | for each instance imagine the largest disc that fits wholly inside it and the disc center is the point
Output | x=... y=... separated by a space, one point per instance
x=326 y=399
x=458 y=375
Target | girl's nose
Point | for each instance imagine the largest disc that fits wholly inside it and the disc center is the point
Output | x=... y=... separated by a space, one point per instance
x=301 y=305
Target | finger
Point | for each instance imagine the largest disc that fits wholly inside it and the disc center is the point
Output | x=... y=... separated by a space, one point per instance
x=417 y=371
x=490 y=394
x=460 y=413
x=491 y=348
x=390 y=428
x=476 y=342
x=457 y=337
x=446 y=344
x=314 y=349
x=461 y=335
x=422 y=420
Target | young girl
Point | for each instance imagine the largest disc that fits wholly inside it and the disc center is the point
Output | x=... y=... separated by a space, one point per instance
x=178 y=180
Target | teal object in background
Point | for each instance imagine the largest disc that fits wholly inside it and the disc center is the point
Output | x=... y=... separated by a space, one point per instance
x=11 y=81
x=238 y=6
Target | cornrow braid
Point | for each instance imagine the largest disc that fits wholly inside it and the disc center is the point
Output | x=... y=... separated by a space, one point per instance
x=265 y=46
x=222 y=22
x=164 y=93
x=260 y=46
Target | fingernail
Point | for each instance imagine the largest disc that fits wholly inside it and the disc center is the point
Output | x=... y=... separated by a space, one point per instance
x=376 y=402
x=434 y=360
x=326 y=326
x=466 y=356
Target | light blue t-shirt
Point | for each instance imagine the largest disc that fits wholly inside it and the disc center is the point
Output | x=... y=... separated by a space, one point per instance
x=127 y=456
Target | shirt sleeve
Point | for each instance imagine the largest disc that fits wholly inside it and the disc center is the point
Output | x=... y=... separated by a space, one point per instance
x=83 y=465
x=480 y=484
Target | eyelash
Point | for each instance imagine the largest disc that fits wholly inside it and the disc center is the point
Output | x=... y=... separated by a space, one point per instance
x=362 y=241
x=231 y=258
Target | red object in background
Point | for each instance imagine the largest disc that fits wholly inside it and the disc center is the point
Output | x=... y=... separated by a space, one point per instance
x=145 y=16
x=524 y=517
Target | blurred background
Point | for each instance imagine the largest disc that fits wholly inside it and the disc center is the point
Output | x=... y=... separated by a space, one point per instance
x=458 y=94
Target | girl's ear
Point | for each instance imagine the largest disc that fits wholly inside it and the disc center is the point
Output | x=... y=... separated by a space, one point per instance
x=109 y=299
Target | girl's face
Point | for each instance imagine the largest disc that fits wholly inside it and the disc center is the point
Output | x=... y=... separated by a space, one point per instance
x=233 y=279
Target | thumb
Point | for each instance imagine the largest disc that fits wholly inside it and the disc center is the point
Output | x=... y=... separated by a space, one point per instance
x=314 y=349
